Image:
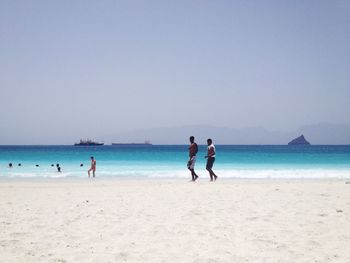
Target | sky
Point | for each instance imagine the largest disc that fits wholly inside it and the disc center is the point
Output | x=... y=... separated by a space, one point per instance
x=78 y=69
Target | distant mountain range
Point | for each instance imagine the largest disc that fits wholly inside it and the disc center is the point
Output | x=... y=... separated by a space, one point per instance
x=323 y=133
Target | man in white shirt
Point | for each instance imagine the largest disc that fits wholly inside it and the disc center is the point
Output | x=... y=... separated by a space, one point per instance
x=210 y=160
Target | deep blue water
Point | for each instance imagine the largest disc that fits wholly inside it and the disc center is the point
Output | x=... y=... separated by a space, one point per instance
x=170 y=161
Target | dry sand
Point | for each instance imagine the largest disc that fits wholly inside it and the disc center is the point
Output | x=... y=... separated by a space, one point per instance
x=101 y=220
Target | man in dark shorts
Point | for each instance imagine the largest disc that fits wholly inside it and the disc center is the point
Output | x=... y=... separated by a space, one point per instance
x=210 y=160
x=193 y=149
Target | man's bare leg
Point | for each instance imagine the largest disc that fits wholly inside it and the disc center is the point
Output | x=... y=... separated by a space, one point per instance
x=194 y=175
x=213 y=175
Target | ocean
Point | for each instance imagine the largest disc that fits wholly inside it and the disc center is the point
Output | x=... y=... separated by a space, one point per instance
x=169 y=161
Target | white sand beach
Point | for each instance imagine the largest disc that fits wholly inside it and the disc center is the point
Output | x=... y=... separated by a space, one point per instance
x=113 y=220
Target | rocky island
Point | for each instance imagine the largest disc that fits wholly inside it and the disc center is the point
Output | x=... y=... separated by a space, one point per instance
x=299 y=141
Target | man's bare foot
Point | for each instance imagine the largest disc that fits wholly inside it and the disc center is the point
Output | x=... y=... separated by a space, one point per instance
x=215 y=177
x=196 y=177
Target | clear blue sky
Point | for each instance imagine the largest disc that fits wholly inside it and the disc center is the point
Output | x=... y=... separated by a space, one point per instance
x=71 y=69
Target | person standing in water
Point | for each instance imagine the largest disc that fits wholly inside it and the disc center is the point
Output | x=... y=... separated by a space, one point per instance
x=210 y=160
x=93 y=167
x=193 y=149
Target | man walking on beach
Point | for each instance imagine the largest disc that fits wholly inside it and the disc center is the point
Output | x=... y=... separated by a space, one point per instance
x=93 y=167
x=193 y=149
x=211 y=160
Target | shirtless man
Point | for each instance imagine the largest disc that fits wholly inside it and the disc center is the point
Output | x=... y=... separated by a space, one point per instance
x=93 y=167
x=193 y=149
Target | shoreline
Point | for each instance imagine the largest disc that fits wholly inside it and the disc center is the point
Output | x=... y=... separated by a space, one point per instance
x=163 y=179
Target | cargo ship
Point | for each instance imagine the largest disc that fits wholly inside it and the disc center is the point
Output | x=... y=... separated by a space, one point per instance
x=88 y=143
x=145 y=143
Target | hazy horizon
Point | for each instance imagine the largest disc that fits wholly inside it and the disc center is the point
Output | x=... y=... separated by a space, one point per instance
x=89 y=69
x=318 y=134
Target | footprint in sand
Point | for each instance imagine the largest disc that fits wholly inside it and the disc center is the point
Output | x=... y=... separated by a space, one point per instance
x=122 y=256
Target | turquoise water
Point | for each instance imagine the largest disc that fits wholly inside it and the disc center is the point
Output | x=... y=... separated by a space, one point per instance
x=169 y=161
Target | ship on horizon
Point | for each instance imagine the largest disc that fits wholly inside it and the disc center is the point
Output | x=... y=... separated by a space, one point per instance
x=88 y=142
x=145 y=143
